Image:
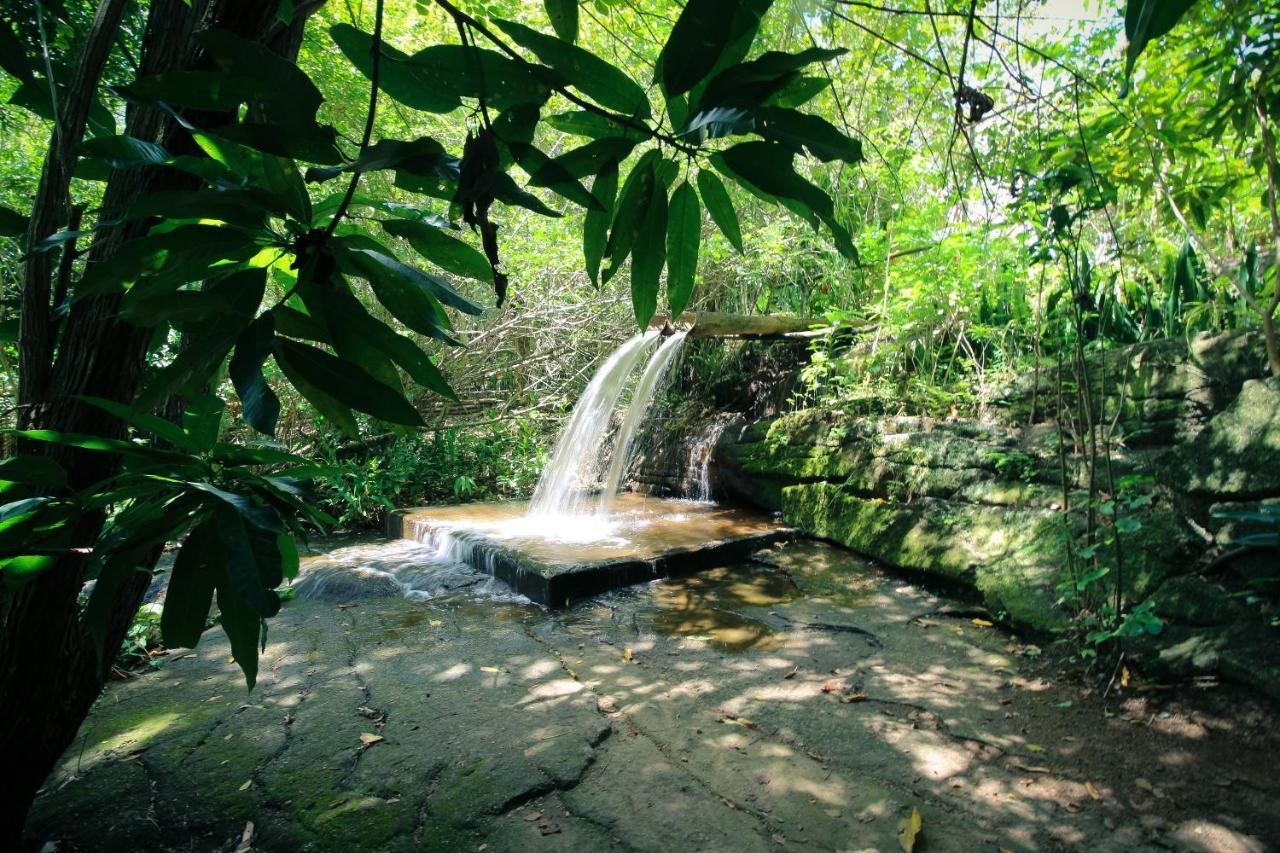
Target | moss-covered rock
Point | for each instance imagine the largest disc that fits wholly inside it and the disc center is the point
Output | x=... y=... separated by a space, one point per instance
x=1237 y=456
x=1014 y=556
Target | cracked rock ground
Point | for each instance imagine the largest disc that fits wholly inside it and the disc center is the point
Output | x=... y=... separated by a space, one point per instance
x=803 y=700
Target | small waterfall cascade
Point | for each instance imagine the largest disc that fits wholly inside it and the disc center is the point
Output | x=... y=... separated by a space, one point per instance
x=641 y=400
x=578 y=450
x=697 y=481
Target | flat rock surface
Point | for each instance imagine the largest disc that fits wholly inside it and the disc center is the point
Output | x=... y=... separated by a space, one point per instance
x=802 y=700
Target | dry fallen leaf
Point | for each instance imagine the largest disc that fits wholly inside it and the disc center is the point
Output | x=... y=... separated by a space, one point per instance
x=627 y=653
x=366 y=711
x=246 y=839
x=1029 y=768
x=1093 y=791
x=247 y=785
x=982 y=623
x=1125 y=676
x=850 y=698
x=533 y=817
x=368 y=739
x=347 y=606
x=435 y=623
x=909 y=829
x=1035 y=747
x=832 y=687
x=741 y=721
x=489 y=669
x=792 y=672
x=1144 y=785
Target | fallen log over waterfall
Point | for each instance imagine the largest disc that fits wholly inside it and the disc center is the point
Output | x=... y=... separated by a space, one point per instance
x=711 y=324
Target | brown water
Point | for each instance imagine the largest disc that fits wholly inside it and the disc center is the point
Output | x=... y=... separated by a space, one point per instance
x=706 y=607
x=639 y=527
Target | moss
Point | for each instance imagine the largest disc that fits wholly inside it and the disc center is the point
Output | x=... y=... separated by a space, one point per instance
x=1234 y=458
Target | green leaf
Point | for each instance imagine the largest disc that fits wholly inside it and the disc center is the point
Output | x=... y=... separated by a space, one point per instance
x=15 y=59
x=448 y=253
x=288 y=555
x=252 y=562
x=12 y=223
x=423 y=156
x=799 y=92
x=471 y=72
x=765 y=168
x=202 y=420
x=201 y=90
x=291 y=98
x=718 y=121
x=551 y=174
x=242 y=625
x=259 y=516
x=595 y=228
x=168 y=259
x=259 y=403
x=586 y=123
x=506 y=191
x=437 y=287
x=349 y=384
x=796 y=130
x=564 y=18
x=684 y=232
x=190 y=592
x=700 y=35
x=633 y=202
x=649 y=256
x=751 y=83
x=601 y=81
x=144 y=421
x=584 y=160
x=1144 y=22
x=716 y=197
x=398 y=77
x=123 y=152
x=32 y=471
x=324 y=403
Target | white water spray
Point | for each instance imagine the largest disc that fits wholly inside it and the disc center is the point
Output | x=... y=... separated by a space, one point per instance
x=641 y=400
x=577 y=451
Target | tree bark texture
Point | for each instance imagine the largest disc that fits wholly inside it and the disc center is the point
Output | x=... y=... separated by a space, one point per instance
x=51 y=667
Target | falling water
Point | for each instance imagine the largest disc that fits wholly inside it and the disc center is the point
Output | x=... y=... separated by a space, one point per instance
x=641 y=399
x=698 y=476
x=578 y=449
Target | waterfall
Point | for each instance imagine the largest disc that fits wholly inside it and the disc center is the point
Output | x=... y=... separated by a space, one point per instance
x=701 y=451
x=641 y=399
x=577 y=451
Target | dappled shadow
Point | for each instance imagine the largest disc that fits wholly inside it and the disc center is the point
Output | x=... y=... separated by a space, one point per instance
x=802 y=698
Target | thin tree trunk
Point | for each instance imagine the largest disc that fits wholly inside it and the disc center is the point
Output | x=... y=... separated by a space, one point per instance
x=51 y=667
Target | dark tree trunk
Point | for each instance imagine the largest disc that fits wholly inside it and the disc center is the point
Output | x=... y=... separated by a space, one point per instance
x=51 y=667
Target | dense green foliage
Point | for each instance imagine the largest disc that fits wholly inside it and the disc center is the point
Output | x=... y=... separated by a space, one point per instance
x=315 y=240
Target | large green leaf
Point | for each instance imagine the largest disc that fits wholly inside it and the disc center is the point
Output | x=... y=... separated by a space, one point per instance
x=633 y=202
x=751 y=83
x=798 y=130
x=564 y=18
x=201 y=90
x=12 y=223
x=473 y=72
x=684 y=233
x=587 y=123
x=243 y=627
x=145 y=422
x=123 y=152
x=254 y=572
x=699 y=37
x=595 y=227
x=448 y=253
x=649 y=255
x=170 y=258
x=400 y=78
x=332 y=410
x=1144 y=22
x=259 y=403
x=587 y=159
x=368 y=258
x=551 y=175
x=292 y=97
x=601 y=81
x=423 y=156
x=190 y=591
x=349 y=384
x=716 y=197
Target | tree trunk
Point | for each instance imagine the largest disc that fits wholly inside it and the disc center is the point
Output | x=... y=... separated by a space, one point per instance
x=51 y=667
x=710 y=324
